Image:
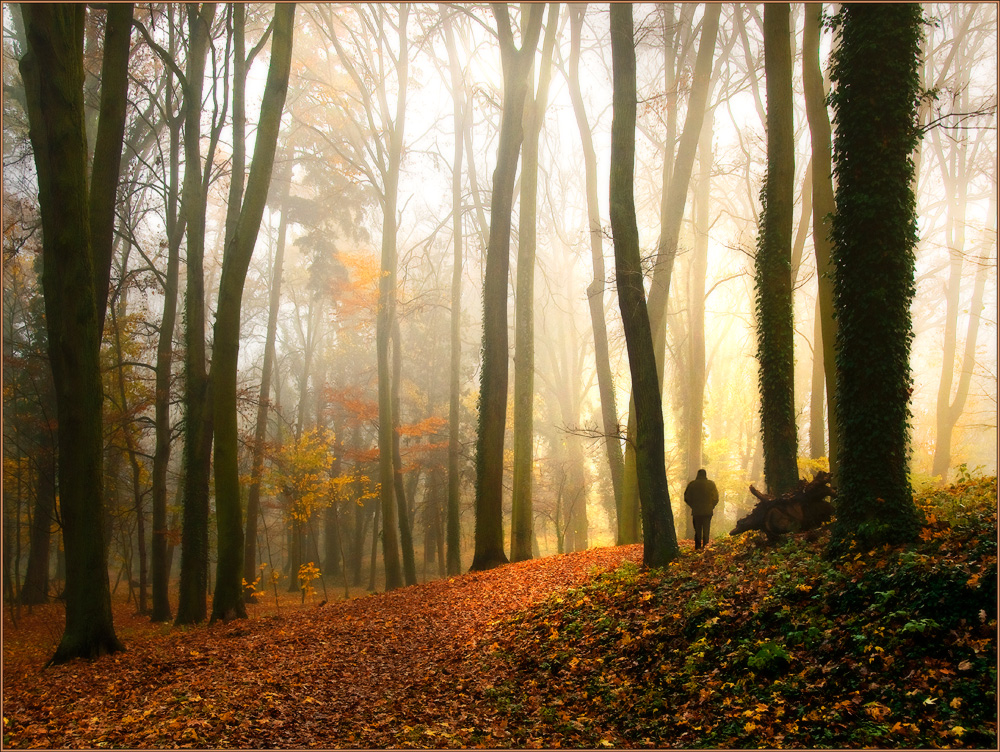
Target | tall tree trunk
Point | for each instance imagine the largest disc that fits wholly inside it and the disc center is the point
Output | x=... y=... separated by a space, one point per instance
x=227 y=602
x=695 y=418
x=405 y=523
x=522 y=515
x=175 y=226
x=191 y=604
x=35 y=588
x=677 y=178
x=264 y=395
x=75 y=288
x=659 y=537
x=775 y=333
x=118 y=313
x=874 y=235
x=386 y=316
x=955 y=174
x=595 y=291
x=493 y=379
x=453 y=533
x=950 y=410
x=823 y=206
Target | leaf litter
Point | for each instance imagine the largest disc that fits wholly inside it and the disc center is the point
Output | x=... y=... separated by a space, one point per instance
x=743 y=645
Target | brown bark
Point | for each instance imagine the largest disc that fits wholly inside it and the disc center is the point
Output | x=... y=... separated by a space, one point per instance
x=595 y=291
x=489 y=551
x=227 y=602
x=659 y=537
x=52 y=71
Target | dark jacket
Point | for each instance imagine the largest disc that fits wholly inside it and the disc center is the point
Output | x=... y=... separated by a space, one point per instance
x=701 y=495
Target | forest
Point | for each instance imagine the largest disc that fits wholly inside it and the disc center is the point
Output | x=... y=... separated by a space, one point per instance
x=400 y=327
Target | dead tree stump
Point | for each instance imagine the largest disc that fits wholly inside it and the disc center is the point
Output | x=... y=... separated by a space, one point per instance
x=804 y=508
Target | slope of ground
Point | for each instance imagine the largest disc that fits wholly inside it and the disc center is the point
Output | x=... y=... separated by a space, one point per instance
x=742 y=645
x=749 y=645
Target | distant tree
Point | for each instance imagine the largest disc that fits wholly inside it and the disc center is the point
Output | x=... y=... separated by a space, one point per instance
x=493 y=380
x=659 y=536
x=264 y=395
x=463 y=118
x=76 y=260
x=773 y=263
x=595 y=291
x=875 y=97
x=823 y=207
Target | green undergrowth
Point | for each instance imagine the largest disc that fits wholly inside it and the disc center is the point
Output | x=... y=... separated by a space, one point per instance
x=747 y=645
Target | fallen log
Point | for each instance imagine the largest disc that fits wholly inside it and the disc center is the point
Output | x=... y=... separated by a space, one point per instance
x=803 y=508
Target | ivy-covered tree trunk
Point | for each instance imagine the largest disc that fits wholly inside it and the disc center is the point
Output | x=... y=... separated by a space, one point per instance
x=875 y=96
x=74 y=283
x=773 y=276
x=227 y=602
x=659 y=536
x=489 y=551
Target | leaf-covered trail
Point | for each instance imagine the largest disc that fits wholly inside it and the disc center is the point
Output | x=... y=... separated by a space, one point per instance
x=357 y=673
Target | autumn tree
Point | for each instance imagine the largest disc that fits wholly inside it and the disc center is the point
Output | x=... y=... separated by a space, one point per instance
x=77 y=213
x=192 y=607
x=461 y=115
x=659 y=537
x=228 y=600
x=673 y=198
x=522 y=521
x=493 y=379
x=874 y=99
x=595 y=291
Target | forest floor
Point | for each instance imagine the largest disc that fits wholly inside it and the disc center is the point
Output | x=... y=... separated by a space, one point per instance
x=742 y=645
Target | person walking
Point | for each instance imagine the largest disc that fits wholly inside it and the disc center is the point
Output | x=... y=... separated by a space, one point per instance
x=701 y=495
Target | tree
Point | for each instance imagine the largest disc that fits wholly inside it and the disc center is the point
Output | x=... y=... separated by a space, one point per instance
x=773 y=279
x=377 y=154
x=191 y=606
x=462 y=115
x=227 y=602
x=175 y=225
x=595 y=291
x=76 y=259
x=493 y=379
x=522 y=519
x=263 y=403
x=659 y=537
x=875 y=96
x=823 y=207
x=673 y=199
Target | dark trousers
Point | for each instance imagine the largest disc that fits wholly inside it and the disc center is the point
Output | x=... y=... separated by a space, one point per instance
x=701 y=524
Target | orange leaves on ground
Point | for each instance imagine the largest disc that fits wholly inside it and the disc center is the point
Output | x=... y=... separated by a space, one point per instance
x=388 y=670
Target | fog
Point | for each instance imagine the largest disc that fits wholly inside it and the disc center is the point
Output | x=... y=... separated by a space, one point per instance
x=358 y=157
